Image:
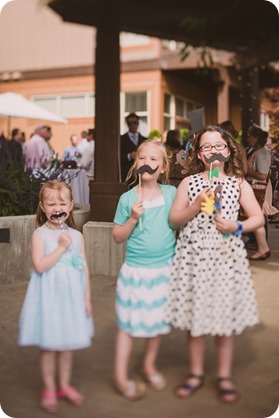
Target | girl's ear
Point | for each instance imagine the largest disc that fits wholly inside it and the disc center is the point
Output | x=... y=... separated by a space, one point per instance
x=72 y=205
x=199 y=155
x=41 y=206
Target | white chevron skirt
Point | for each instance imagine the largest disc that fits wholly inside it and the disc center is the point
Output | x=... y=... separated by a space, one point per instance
x=141 y=295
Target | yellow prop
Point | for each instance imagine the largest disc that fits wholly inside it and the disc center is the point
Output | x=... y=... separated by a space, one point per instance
x=209 y=205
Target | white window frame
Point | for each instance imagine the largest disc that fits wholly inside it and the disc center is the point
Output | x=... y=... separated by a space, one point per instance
x=173 y=115
x=145 y=114
x=59 y=98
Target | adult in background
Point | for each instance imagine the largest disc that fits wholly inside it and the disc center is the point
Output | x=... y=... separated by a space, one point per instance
x=259 y=162
x=15 y=153
x=271 y=203
x=83 y=143
x=71 y=153
x=173 y=144
x=87 y=158
x=37 y=150
x=3 y=151
x=228 y=126
x=129 y=143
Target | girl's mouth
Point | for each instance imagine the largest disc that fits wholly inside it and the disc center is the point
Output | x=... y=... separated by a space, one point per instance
x=58 y=215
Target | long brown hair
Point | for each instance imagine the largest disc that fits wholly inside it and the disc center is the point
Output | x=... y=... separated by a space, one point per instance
x=166 y=155
x=232 y=167
x=57 y=186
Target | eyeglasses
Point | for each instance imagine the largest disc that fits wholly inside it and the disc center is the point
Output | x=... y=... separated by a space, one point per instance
x=218 y=147
x=133 y=122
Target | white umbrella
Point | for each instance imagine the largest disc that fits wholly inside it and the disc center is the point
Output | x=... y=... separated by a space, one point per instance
x=16 y=106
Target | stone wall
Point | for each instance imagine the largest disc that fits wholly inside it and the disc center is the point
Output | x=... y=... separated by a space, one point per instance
x=15 y=256
x=103 y=255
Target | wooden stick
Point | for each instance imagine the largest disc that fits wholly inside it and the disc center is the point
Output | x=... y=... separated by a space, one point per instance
x=210 y=172
x=140 y=196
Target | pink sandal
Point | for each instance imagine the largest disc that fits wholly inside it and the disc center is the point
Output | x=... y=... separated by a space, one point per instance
x=71 y=395
x=49 y=401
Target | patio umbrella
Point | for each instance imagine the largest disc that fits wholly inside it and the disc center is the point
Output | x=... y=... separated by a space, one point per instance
x=16 y=106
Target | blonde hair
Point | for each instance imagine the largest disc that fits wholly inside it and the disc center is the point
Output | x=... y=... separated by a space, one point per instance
x=165 y=154
x=57 y=186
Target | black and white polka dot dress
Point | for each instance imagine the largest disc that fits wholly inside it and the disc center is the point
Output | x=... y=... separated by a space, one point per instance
x=211 y=289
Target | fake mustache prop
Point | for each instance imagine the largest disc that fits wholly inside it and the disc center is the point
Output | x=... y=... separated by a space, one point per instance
x=218 y=157
x=58 y=215
x=146 y=168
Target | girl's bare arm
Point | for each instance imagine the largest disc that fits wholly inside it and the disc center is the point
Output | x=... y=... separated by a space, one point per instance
x=88 y=303
x=121 y=233
x=249 y=203
x=42 y=262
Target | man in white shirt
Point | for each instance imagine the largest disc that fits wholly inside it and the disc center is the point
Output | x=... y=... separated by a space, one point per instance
x=87 y=158
x=83 y=143
x=37 y=150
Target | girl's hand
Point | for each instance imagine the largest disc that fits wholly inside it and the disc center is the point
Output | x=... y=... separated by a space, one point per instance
x=65 y=240
x=137 y=210
x=225 y=226
x=88 y=307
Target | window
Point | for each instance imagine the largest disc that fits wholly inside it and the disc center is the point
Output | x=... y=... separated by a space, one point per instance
x=264 y=120
x=136 y=102
x=68 y=106
x=191 y=106
x=176 y=111
x=180 y=108
x=48 y=103
x=72 y=106
x=131 y=39
x=168 y=114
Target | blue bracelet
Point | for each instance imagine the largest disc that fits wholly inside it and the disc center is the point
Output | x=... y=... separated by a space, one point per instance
x=239 y=230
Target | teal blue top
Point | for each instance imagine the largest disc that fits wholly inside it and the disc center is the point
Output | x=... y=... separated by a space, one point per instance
x=154 y=245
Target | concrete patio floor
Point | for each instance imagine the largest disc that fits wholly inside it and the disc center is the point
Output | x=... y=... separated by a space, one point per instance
x=256 y=369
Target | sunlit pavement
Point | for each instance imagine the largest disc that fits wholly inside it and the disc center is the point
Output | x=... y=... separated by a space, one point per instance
x=256 y=369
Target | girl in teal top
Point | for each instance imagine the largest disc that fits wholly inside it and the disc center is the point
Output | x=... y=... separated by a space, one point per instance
x=141 y=219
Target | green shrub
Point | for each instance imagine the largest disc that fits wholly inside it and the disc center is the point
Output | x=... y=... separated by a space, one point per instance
x=155 y=134
x=19 y=187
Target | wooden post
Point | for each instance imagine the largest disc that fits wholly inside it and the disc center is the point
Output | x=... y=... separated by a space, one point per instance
x=250 y=100
x=105 y=190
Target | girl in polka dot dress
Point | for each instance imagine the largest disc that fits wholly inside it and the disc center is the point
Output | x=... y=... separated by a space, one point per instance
x=211 y=290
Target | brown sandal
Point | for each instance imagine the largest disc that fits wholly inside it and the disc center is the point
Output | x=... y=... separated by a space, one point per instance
x=189 y=389
x=227 y=395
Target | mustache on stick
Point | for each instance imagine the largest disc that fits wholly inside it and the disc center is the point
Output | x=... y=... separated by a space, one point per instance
x=146 y=168
x=218 y=157
x=58 y=215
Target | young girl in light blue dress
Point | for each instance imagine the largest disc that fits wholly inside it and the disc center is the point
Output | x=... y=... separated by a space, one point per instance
x=141 y=219
x=57 y=315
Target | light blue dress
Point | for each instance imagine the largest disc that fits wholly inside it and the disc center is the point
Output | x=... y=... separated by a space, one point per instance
x=53 y=315
x=143 y=281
